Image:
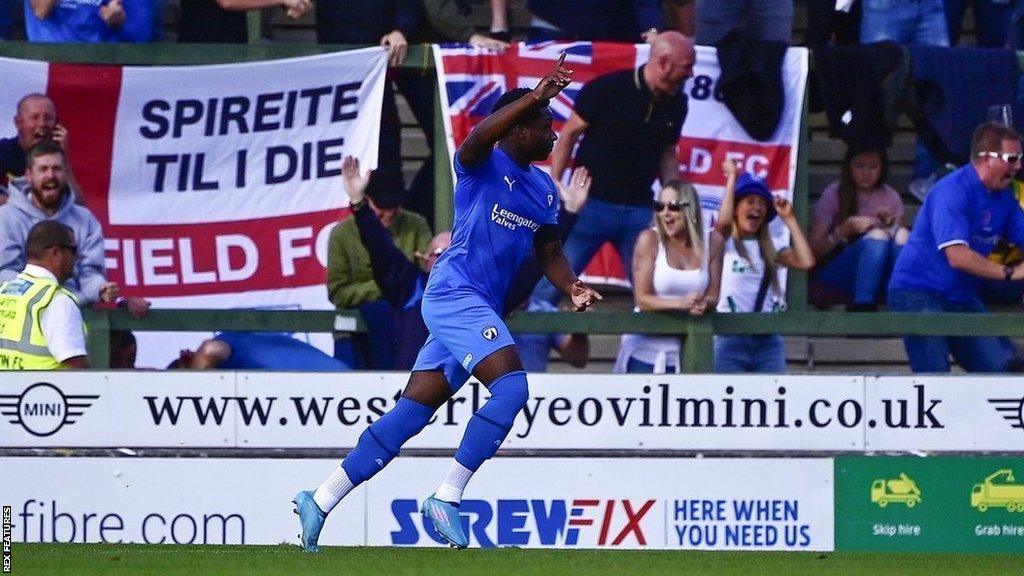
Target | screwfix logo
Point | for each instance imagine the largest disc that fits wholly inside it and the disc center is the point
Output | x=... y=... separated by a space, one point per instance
x=518 y=522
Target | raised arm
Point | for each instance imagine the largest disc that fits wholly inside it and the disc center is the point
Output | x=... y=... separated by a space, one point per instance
x=801 y=257
x=480 y=143
x=394 y=274
x=571 y=131
x=725 y=209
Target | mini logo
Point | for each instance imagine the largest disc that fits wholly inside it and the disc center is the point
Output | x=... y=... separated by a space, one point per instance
x=379 y=462
x=510 y=182
x=43 y=409
x=489 y=333
x=466 y=361
x=1011 y=408
x=550 y=199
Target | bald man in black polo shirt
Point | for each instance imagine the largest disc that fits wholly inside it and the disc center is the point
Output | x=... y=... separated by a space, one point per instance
x=630 y=122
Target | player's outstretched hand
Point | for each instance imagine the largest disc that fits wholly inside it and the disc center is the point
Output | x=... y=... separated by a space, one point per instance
x=583 y=296
x=354 y=181
x=554 y=82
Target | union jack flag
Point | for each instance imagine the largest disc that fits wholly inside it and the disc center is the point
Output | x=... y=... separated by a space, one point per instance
x=473 y=79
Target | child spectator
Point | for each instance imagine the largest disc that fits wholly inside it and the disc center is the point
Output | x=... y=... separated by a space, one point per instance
x=856 y=232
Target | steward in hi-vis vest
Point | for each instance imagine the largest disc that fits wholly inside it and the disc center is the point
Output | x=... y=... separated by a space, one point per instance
x=22 y=342
x=41 y=326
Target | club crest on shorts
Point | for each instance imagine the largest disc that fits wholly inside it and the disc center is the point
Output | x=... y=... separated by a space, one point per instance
x=489 y=333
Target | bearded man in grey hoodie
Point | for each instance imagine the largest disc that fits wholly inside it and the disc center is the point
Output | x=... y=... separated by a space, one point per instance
x=44 y=195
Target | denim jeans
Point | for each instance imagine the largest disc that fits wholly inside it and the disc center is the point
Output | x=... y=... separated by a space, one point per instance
x=763 y=354
x=634 y=366
x=862 y=269
x=905 y=22
x=599 y=222
x=991 y=20
x=931 y=353
x=763 y=19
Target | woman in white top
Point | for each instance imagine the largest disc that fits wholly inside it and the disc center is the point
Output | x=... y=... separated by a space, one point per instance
x=749 y=279
x=670 y=273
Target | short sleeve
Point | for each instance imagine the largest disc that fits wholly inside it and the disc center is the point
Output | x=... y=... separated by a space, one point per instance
x=949 y=224
x=894 y=203
x=588 y=102
x=61 y=322
x=552 y=215
x=828 y=206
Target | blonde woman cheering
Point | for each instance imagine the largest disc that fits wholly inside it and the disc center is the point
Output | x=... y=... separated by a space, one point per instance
x=670 y=273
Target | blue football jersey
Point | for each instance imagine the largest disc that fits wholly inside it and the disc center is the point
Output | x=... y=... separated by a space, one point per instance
x=498 y=207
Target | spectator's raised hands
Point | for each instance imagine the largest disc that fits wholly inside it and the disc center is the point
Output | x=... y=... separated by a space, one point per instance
x=783 y=207
x=112 y=14
x=296 y=9
x=354 y=181
x=60 y=136
x=397 y=47
x=730 y=168
x=575 y=195
x=554 y=82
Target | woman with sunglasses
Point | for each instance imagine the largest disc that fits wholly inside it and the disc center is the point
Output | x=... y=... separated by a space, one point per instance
x=748 y=280
x=670 y=273
x=856 y=232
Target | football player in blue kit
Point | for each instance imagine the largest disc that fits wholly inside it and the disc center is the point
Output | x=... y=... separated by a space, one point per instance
x=504 y=207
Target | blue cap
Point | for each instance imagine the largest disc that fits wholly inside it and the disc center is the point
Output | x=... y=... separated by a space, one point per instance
x=747 y=184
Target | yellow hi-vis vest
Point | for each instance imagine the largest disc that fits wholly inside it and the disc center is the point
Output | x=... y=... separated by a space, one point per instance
x=22 y=343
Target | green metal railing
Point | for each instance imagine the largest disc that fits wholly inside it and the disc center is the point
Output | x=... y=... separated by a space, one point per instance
x=697 y=333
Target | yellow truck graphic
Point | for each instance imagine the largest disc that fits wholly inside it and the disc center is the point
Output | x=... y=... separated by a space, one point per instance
x=1000 y=490
x=902 y=489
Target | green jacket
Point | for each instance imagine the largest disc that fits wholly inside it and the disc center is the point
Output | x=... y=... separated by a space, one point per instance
x=349 y=278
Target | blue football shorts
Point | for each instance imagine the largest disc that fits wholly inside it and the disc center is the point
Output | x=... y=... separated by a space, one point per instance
x=463 y=331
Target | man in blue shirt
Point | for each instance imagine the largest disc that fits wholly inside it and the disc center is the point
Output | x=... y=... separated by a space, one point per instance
x=89 y=20
x=958 y=226
x=504 y=208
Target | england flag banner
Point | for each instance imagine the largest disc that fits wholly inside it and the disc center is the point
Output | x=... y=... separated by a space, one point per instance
x=472 y=79
x=216 y=186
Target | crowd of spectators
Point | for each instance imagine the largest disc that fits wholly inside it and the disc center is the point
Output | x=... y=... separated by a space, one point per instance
x=862 y=249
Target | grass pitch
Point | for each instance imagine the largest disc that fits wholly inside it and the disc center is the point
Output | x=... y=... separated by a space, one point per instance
x=156 y=560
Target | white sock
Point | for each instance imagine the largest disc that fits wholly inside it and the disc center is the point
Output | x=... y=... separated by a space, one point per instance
x=333 y=489
x=454 y=483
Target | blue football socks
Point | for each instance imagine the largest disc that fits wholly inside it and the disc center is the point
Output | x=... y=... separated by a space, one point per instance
x=493 y=421
x=380 y=443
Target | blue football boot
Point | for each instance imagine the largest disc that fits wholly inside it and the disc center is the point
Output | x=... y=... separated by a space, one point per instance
x=311 y=518
x=446 y=520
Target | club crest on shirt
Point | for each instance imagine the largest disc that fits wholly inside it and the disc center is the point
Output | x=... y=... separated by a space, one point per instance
x=489 y=333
